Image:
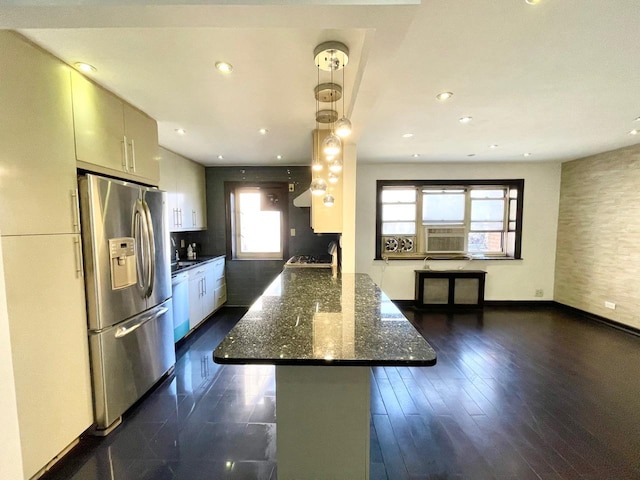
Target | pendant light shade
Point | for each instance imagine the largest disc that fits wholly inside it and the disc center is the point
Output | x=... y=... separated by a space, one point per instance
x=335 y=166
x=328 y=200
x=333 y=177
x=331 y=144
x=343 y=127
x=317 y=167
x=318 y=186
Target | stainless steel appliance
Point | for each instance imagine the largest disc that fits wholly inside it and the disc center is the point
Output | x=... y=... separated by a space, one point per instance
x=128 y=285
x=311 y=261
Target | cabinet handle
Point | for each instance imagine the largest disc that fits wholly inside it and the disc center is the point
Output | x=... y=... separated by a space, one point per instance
x=175 y=217
x=204 y=283
x=76 y=210
x=180 y=217
x=78 y=255
x=133 y=155
x=193 y=217
x=125 y=156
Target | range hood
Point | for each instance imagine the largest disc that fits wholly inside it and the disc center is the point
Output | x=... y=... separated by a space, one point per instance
x=303 y=200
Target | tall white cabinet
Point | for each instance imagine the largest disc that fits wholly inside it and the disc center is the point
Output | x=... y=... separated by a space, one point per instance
x=39 y=228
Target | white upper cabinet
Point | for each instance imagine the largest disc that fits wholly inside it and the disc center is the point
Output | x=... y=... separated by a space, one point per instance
x=37 y=159
x=111 y=136
x=184 y=181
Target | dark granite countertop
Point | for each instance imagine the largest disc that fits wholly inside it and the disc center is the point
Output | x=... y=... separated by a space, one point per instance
x=182 y=265
x=311 y=317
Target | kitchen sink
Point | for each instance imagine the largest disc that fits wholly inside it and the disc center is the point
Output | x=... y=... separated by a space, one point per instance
x=187 y=263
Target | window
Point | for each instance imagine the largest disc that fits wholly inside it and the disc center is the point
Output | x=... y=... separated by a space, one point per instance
x=447 y=218
x=256 y=220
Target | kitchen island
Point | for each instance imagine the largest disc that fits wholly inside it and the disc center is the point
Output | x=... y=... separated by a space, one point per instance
x=323 y=331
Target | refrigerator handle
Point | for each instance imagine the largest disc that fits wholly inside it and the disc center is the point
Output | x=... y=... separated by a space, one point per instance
x=139 y=229
x=151 y=247
x=124 y=331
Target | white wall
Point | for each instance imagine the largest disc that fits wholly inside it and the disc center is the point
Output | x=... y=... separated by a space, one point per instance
x=10 y=453
x=506 y=280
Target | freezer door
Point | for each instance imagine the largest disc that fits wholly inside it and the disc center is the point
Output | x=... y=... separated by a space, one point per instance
x=128 y=359
x=155 y=203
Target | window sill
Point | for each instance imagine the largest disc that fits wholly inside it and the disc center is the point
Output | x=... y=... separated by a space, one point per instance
x=448 y=258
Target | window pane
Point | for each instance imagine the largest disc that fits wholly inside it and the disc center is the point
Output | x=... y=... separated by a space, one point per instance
x=481 y=193
x=512 y=226
x=399 y=212
x=259 y=230
x=442 y=208
x=513 y=204
x=487 y=242
x=513 y=193
x=487 y=226
x=399 y=228
x=487 y=210
x=396 y=195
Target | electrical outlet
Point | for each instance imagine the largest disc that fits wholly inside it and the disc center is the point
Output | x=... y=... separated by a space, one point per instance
x=539 y=292
x=610 y=305
x=293 y=232
x=182 y=243
x=292 y=187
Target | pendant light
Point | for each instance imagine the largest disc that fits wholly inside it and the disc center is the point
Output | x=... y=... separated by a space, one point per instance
x=318 y=186
x=335 y=166
x=343 y=126
x=328 y=200
x=329 y=57
x=331 y=145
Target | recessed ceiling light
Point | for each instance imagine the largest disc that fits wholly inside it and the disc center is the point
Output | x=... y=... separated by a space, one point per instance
x=415 y=155
x=407 y=135
x=471 y=154
x=637 y=119
x=279 y=157
x=526 y=154
x=180 y=131
x=493 y=146
x=444 y=96
x=532 y=2
x=224 y=67
x=220 y=157
x=465 y=119
x=85 y=67
x=263 y=131
x=634 y=132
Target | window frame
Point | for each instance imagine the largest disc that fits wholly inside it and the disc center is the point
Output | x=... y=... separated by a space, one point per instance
x=230 y=191
x=509 y=184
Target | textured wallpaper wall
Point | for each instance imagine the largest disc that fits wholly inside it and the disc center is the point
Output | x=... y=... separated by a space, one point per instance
x=598 y=245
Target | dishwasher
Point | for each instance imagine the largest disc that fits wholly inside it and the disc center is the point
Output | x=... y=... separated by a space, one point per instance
x=180 y=286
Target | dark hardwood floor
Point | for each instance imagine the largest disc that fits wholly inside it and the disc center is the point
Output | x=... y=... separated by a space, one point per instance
x=516 y=394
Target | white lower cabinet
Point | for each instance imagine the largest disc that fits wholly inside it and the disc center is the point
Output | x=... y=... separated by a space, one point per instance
x=48 y=330
x=207 y=290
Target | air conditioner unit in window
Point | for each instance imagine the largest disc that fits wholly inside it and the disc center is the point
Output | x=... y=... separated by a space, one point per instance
x=444 y=239
x=403 y=244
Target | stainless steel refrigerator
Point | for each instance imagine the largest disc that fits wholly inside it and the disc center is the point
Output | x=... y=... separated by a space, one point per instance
x=128 y=286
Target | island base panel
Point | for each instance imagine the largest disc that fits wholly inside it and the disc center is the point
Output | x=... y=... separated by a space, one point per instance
x=322 y=416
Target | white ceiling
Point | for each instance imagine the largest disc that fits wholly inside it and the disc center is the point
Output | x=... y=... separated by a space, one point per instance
x=560 y=79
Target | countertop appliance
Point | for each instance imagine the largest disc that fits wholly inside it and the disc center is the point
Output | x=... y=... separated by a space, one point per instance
x=128 y=286
x=311 y=261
